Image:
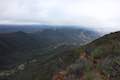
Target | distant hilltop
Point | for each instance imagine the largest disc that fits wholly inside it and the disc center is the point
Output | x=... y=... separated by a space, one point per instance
x=37 y=27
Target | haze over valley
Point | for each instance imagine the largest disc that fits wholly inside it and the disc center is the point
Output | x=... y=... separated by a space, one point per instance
x=21 y=46
x=59 y=40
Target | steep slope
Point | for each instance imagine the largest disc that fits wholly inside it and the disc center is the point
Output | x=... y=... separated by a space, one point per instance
x=99 y=60
x=105 y=53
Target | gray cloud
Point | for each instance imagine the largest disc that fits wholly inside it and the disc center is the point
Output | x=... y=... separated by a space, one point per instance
x=98 y=14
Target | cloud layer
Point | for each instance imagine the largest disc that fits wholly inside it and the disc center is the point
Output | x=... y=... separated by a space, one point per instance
x=99 y=14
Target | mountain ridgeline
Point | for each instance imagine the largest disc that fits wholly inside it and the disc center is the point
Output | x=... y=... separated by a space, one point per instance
x=98 y=60
x=29 y=53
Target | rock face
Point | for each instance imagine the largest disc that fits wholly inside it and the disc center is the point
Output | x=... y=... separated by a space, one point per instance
x=10 y=72
x=21 y=67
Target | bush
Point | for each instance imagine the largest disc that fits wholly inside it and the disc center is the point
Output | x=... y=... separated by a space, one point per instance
x=89 y=76
x=98 y=52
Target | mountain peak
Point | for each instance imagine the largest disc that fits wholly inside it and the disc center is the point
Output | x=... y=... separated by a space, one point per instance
x=20 y=32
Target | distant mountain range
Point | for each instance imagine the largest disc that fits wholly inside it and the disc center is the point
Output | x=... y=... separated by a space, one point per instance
x=97 y=60
x=25 y=28
x=34 y=27
x=18 y=46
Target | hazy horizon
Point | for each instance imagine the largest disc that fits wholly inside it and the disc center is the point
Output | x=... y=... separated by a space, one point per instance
x=101 y=15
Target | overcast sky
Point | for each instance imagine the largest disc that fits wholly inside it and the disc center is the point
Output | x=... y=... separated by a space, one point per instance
x=103 y=15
